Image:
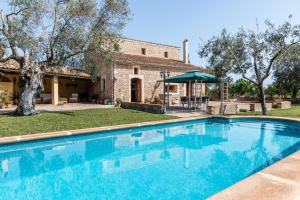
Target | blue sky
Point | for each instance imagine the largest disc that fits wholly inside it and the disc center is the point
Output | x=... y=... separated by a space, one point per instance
x=171 y=21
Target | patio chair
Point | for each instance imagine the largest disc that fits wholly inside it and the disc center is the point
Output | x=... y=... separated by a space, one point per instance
x=203 y=102
x=183 y=100
x=74 y=98
x=46 y=97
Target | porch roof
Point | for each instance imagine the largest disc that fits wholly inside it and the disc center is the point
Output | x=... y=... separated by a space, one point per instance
x=13 y=66
x=193 y=76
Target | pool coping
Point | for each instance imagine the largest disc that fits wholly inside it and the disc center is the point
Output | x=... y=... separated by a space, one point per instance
x=84 y=131
x=273 y=182
x=278 y=181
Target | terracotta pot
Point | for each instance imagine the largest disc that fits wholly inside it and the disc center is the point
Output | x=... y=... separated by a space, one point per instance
x=8 y=106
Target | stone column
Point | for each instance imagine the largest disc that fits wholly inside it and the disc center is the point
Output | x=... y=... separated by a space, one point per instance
x=203 y=89
x=55 y=96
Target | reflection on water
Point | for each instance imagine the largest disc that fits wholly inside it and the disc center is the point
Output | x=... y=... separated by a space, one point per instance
x=201 y=157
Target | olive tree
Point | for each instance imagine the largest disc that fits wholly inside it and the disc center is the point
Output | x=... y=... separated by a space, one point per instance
x=252 y=54
x=42 y=34
x=287 y=72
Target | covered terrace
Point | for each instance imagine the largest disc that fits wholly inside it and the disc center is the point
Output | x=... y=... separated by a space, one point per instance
x=195 y=98
x=61 y=84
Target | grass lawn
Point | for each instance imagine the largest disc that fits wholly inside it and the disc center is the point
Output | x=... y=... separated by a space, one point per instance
x=68 y=120
x=292 y=112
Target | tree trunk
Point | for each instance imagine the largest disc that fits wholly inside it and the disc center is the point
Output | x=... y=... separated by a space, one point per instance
x=262 y=99
x=294 y=93
x=30 y=84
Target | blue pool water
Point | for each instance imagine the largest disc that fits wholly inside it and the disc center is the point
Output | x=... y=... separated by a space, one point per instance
x=188 y=160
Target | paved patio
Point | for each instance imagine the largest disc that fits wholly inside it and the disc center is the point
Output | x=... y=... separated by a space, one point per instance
x=65 y=107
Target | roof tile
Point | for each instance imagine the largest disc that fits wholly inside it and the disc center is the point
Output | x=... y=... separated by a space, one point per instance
x=13 y=66
x=160 y=62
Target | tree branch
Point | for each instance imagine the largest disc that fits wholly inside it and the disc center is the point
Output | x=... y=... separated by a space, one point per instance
x=58 y=34
x=239 y=65
x=7 y=33
x=276 y=55
x=52 y=33
x=16 y=13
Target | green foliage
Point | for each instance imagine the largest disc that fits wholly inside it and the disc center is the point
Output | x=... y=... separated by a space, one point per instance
x=243 y=87
x=287 y=72
x=147 y=100
x=6 y=97
x=272 y=90
x=62 y=32
x=1 y=96
x=118 y=102
x=157 y=100
x=251 y=54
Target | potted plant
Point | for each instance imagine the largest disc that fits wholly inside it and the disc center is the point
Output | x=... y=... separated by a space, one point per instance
x=7 y=99
x=118 y=102
x=1 y=99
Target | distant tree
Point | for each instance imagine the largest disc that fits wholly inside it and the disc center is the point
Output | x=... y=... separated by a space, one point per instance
x=251 y=54
x=272 y=90
x=287 y=72
x=243 y=87
x=39 y=34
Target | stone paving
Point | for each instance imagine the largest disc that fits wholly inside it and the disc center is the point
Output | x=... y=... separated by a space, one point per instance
x=65 y=107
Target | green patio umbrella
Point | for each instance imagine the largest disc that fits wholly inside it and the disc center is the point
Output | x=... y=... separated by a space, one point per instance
x=196 y=76
x=193 y=76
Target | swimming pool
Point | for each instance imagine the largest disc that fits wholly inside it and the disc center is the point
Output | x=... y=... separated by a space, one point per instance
x=184 y=160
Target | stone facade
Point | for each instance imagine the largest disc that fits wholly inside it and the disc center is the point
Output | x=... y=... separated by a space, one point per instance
x=151 y=82
x=143 y=74
x=104 y=85
x=134 y=47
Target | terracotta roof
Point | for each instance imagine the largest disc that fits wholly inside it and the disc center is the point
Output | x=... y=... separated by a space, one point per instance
x=13 y=66
x=153 y=61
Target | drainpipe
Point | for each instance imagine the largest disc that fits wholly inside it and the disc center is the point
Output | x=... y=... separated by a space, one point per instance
x=190 y=90
x=113 y=84
x=196 y=95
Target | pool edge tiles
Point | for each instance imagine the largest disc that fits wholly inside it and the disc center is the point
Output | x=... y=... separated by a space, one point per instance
x=280 y=180
x=67 y=133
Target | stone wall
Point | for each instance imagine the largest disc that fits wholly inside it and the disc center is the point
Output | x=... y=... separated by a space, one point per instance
x=284 y=105
x=134 y=47
x=151 y=108
x=256 y=107
x=105 y=74
x=152 y=84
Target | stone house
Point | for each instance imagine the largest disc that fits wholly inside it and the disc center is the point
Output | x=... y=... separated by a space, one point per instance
x=135 y=75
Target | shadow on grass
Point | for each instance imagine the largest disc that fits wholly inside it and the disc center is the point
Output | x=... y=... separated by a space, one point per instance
x=11 y=113
x=69 y=113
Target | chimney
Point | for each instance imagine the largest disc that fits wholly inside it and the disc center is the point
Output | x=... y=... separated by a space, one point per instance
x=186 y=56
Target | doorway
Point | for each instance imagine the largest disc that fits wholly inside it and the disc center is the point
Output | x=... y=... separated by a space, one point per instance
x=136 y=87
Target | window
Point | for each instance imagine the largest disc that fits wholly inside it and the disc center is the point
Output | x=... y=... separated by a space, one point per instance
x=136 y=70
x=103 y=84
x=172 y=89
x=143 y=51
x=166 y=54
